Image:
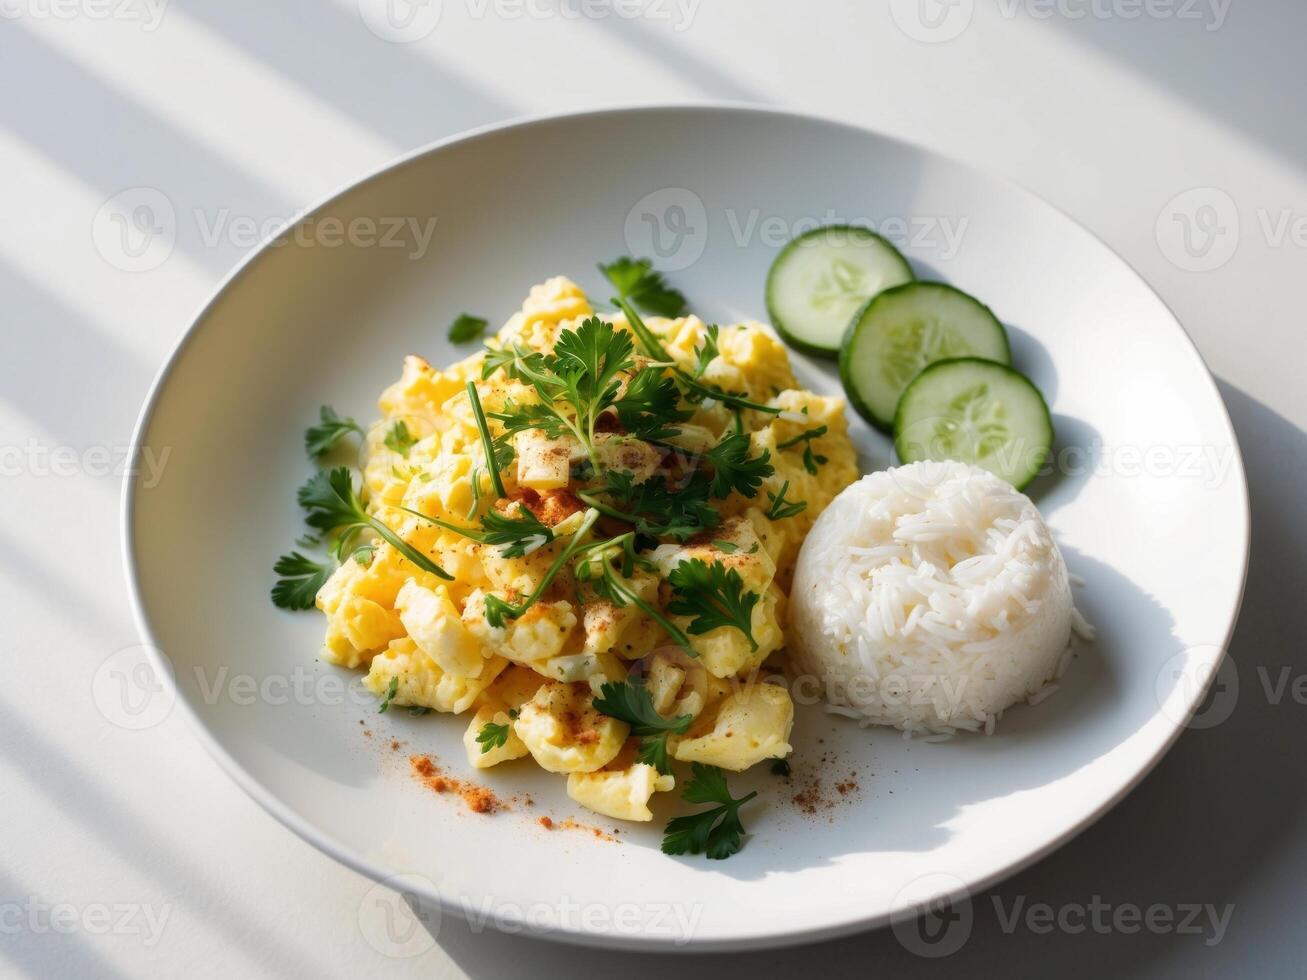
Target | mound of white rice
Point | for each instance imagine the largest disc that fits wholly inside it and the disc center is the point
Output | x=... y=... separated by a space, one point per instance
x=931 y=597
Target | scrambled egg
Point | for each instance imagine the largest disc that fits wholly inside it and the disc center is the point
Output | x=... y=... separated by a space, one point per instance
x=425 y=641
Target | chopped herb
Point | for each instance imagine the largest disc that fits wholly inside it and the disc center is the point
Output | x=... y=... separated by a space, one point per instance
x=498 y=610
x=727 y=547
x=331 y=428
x=780 y=767
x=492 y=736
x=695 y=389
x=333 y=505
x=707 y=351
x=517 y=536
x=650 y=407
x=418 y=710
x=363 y=554
x=465 y=328
x=635 y=280
x=487 y=442
x=780 y=507
x=575 y=384
x=655 y=508
x=603 y=580
x=302 y=577
x=717 y=832
x=391 y=691
x=399 y=439
x=811 y=460
x=714 y=595
x=734 y=469
x=632 y=704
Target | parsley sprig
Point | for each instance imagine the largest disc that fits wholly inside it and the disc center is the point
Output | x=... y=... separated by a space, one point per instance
x=302 y=578
x=735 y=469
x=655 y=507
x=717 y=832
x=333 y=506
x=576 y=384
x=331 y=428
x=517 y=535
x=696 y=389
x=632 y=704
x=636 y=281
x=499 y=611
x=714 y=595
x=596 y=572
x=780 y=507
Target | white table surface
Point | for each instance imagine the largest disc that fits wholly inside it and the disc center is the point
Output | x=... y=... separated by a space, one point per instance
x=156 y=864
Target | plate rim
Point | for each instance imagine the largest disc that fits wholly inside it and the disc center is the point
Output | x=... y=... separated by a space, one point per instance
x=346 y=855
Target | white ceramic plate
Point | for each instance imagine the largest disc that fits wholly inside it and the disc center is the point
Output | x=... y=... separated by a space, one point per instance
x=1152 y=513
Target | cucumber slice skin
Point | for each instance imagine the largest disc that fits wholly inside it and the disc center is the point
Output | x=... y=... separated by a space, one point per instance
x=958 y=372
x=899 y=272
x=998 y=347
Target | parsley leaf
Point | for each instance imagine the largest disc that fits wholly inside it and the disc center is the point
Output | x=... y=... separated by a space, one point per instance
x=518 y=535
x=391 y=691
x=717 y=831
x=714 y=595
x=734 y=469
x=705 y=353
x=632 y=704
x=333 y=504
x=651 y=406
x=780 y=507
x=302 y=577
x=635 y=280
x=331 y=428
x=466 y=327
x=399 y=439
x=492 y=736
x=588 y=360
x=655 y=508
x=517 y=417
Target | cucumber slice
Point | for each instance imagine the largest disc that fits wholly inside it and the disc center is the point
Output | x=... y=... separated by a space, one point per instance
x=822 y=277
x=902 y=330
x=976 y=411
